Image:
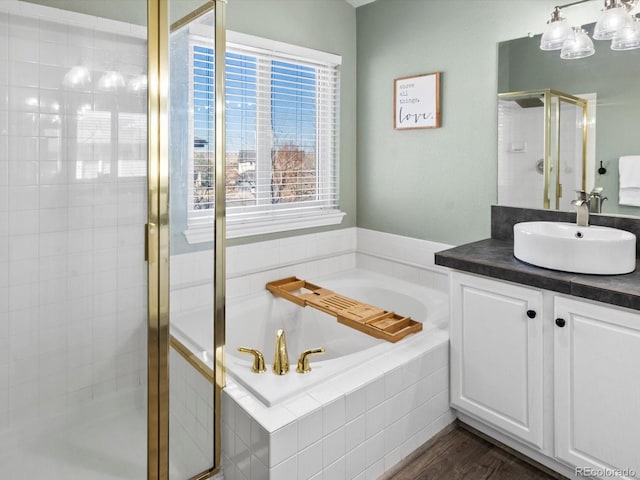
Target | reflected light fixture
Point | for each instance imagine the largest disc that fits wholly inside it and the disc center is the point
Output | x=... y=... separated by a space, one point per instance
x=110 y=81
x=616 y=24
x=137 y=84
x=77 y=77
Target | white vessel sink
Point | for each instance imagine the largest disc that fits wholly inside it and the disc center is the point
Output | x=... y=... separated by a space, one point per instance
x=570 y=248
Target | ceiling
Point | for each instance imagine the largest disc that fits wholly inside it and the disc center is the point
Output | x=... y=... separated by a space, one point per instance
x=358 y=3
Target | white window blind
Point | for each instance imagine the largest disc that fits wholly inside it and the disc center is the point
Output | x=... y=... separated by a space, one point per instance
x=281 y=137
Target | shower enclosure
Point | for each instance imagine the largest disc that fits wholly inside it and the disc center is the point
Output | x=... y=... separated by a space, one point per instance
x=542 y=149
x=85 y=257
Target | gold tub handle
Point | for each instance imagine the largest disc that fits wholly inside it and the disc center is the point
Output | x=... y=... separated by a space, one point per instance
x=258 y=359
x=303 y=359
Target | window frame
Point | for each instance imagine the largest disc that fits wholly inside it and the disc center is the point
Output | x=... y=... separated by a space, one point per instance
x=200 y=222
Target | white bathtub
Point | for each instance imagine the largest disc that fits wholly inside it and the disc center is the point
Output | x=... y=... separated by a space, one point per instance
x=253 y=321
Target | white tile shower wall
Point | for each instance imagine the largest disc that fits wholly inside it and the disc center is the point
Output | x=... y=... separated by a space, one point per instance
x=388 y=412
x=520 y=147
x=72 y=206
x=407 y=258
x=191 y=416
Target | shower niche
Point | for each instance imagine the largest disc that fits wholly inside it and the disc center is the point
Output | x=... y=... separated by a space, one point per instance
x=543 y=149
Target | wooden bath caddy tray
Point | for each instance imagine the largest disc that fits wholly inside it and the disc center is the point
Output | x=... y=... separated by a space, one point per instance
x=371 y=320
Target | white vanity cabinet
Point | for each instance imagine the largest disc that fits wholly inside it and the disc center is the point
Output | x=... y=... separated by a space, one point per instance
x=497 y=354
x=553 y=376
x=597 y=387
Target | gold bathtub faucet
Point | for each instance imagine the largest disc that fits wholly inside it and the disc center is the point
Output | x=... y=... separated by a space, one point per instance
x=303 y=360
x=281 y=357
x=258 y=359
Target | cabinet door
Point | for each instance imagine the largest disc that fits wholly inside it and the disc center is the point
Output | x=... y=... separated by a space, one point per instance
x=597 y=386
x=496 y=354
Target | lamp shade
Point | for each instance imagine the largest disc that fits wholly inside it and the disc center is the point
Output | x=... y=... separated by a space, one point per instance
x=613 y=19
x=578 y=45
x=628 y=38
x=556 y=32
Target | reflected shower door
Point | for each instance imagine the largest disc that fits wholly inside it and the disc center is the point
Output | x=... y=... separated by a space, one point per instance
x=542 y=139
x=73 y=284
x=572 y=169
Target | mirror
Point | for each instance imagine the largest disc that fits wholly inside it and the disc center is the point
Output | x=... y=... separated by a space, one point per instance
x=609 y=79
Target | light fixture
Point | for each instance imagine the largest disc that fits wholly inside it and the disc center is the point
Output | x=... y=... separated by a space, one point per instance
x=616 y=24
x=77 y=77
x=628 y=38
x=577 y=45
x=614 y=18
x=110 y=81
x=556 y=32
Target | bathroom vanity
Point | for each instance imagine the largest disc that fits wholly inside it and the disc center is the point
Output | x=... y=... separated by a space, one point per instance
x=546 y=361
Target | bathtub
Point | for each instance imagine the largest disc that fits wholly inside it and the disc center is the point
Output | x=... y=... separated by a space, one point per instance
x=252 y=322
x=365 y=405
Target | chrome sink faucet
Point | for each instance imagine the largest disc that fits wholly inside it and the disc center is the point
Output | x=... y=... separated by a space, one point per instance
x=596 y=199
x=582 y=208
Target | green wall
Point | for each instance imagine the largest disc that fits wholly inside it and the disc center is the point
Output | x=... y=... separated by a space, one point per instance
x=615 y=76
x=434 y=184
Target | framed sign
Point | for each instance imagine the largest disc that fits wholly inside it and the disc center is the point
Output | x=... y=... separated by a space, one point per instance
x=416 y=101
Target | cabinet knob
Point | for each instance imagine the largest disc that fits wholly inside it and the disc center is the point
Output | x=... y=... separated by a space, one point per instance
x=560 y=322
x=531 y=313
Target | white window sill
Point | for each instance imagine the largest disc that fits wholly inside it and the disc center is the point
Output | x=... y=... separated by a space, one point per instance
x=235 y=229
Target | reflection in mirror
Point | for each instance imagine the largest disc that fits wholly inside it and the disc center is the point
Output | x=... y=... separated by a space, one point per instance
x=541 y=144
x=608 y=80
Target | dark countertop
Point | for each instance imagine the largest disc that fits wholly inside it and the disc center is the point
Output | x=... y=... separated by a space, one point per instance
x=494 y=258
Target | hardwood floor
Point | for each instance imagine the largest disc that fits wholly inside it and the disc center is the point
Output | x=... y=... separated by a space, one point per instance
x=459 y=454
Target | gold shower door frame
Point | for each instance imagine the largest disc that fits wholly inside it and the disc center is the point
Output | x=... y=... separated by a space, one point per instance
x=551 y=113
x=157 y=236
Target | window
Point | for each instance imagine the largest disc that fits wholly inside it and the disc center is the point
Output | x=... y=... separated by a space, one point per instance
x=281 y=137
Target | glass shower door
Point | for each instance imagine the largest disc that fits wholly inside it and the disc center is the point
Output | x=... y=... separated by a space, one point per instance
x=192 y=167
x=73 y=284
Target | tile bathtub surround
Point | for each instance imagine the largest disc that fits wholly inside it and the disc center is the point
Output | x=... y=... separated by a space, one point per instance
x=250 y=267
x=73 y=281
x=407 y=258
x=191 y=417
x=393 y=406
